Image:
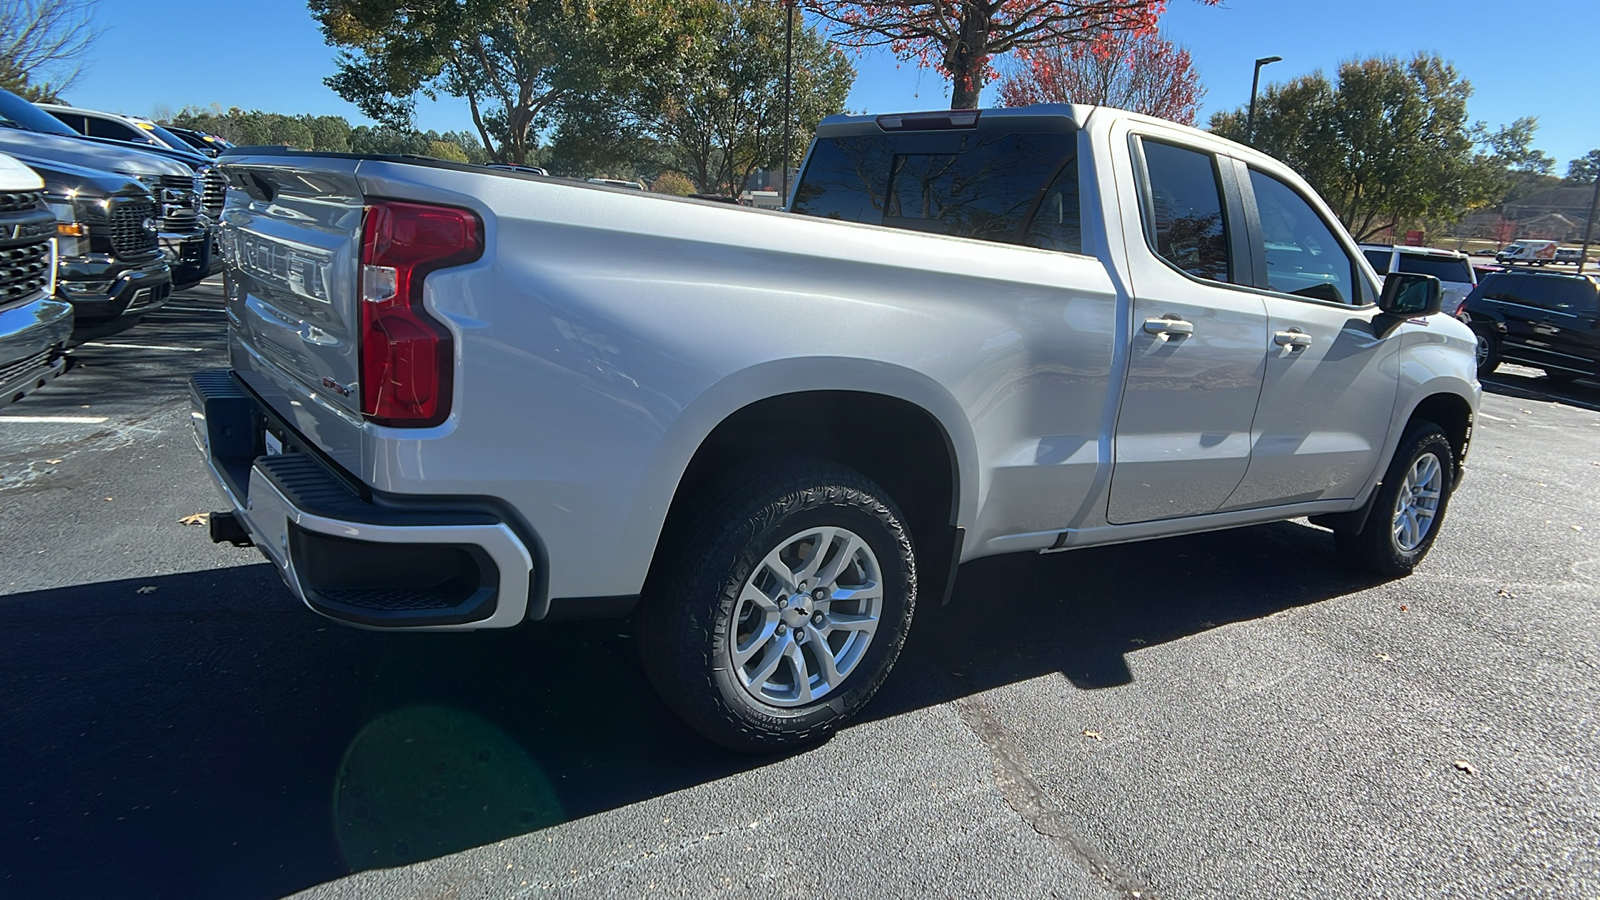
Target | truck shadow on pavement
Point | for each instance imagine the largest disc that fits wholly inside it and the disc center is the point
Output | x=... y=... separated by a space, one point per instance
x=202 y=735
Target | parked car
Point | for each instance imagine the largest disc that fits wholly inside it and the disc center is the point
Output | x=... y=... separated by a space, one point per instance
x=1572 y=255
x=1453 y=269
x=1534 y=253
x=109 y=261
x=1544 y=319
x=771 y=435
x=209 y=144
x=35 y=136
x=117 y=127
x=34 y=326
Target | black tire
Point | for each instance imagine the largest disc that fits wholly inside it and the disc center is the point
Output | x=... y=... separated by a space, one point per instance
x=1488 y=352
x=1561 y=376
x=687 y=616
x=1376 y=548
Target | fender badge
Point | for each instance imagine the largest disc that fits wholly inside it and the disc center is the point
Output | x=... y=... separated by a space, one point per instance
x=336 y=387
x=1422 y=322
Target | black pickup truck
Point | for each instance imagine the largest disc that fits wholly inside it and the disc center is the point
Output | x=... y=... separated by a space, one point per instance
x=111 y=267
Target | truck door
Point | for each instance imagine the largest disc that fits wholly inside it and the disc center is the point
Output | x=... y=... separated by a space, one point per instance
x=1330 y=386
x=1197 y=340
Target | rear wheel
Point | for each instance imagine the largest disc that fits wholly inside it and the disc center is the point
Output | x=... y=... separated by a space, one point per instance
x=1488 y=351
x=1409 y=508
x=778 y=608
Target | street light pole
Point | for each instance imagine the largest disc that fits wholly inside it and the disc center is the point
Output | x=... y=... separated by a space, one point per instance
x=1588 y=228
x=788 y=91
x=1255 y=82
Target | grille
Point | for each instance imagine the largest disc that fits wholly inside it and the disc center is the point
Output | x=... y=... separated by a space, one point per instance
x=179 y=219
x=178 y=182
x=15 y=201
x=390 y=599
x=129 y=238
x=215 y=193
x=24 y=271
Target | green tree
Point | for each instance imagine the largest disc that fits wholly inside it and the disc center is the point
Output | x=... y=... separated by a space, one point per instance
x=446 y=150
x=1584 y=169
x=725 y=120
x=330 y=134
x=1388 y=145
x=521 y=65
x=675 y=183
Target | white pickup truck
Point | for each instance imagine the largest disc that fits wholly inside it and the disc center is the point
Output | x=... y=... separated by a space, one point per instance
x=465 y=398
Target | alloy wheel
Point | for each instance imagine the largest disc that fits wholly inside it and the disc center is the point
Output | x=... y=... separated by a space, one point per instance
x=1417 y=503
x=805 y=617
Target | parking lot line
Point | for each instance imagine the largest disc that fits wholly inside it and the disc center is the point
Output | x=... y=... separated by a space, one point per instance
x=52 y=420
x=145 y=347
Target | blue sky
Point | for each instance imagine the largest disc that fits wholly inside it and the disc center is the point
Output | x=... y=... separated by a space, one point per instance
x=1522 y=59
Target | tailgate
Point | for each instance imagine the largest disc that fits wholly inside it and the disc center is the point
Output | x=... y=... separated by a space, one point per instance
x=291 y=239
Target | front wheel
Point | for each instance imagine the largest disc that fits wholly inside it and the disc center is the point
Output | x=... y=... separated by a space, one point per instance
x=779 y=606
x=1409 y=508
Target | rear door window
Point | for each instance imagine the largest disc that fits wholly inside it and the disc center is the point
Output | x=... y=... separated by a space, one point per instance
x=1184 y=220
x=1444 y=268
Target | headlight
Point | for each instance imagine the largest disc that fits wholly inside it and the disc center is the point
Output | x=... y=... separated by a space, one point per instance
x=72 y=236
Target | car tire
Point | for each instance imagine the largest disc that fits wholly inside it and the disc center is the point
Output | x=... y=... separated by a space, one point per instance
x=1488 y=351
x=1397 y=534
x=741 y=607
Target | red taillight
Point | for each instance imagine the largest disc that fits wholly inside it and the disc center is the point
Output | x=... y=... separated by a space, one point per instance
x=406 y=355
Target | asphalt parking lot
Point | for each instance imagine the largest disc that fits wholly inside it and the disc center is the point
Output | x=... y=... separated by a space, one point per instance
x=1224 y=715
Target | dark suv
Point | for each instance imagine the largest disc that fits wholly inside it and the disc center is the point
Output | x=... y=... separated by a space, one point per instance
x=1551 y=321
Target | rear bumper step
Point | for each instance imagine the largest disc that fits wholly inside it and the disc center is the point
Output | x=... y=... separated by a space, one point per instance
x=345 y=556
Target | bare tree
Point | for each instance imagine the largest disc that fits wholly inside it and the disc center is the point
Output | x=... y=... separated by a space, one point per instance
x=43 y=43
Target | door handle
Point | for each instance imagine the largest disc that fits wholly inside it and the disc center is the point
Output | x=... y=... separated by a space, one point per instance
x=1294 y=339
x=1169 y=326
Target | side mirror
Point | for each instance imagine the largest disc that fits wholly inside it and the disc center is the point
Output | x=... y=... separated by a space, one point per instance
x=1408 y=294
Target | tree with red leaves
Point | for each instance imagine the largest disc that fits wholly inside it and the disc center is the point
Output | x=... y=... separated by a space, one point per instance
x=960 y=37
x=1138 y=71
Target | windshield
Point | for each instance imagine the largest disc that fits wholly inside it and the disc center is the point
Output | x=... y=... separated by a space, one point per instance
x=23 y=114
x=1444 y=268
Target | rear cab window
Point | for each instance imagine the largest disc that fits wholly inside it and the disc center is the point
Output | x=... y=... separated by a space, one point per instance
x=1445 y=268
x=1379 y=260
x=1006 y=186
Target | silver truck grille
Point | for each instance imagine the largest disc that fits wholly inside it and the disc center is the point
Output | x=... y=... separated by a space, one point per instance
x=17 y=201
x=215 y=192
